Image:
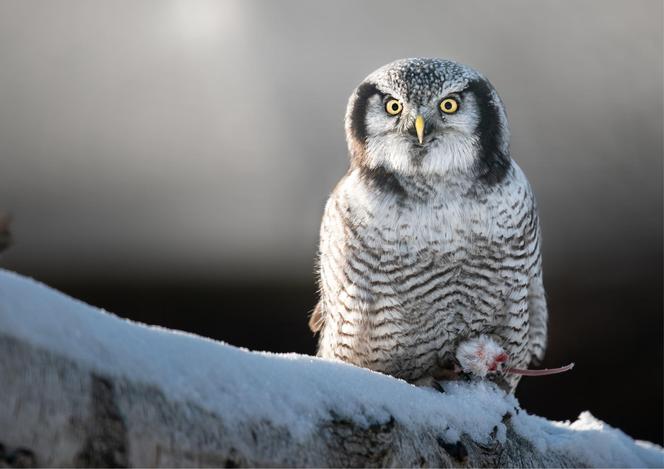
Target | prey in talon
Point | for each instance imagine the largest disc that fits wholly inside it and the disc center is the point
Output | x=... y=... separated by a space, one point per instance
x=483 y=356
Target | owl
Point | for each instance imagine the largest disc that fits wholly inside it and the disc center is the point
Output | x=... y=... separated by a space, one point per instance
x=429 y=262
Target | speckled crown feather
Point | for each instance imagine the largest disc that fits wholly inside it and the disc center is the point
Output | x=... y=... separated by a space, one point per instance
x=420 y=79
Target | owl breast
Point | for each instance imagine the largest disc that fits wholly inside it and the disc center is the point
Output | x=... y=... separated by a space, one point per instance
x=403 y=280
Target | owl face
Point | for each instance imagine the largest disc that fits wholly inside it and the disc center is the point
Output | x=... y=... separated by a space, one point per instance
x=428 y=117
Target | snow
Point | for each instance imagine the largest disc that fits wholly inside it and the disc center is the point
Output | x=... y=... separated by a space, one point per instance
x=282 y=388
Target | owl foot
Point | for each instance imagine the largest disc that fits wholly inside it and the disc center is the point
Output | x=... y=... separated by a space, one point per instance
x=429 y=382
x=446 y=369
x=481 y=356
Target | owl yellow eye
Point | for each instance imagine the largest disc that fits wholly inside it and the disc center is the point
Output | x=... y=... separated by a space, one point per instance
x=393 y=107
x=449 y=105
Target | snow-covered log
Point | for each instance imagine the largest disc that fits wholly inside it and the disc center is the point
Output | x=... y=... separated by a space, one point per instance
x=82 y=387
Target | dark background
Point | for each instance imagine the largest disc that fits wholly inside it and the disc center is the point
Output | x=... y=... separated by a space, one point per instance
x=169 y=161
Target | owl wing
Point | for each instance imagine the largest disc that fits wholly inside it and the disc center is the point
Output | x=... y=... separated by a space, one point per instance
x=538 y=321
x=537 y=308
x=331 y=232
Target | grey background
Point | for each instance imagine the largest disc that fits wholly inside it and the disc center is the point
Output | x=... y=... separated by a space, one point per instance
x=186 y=148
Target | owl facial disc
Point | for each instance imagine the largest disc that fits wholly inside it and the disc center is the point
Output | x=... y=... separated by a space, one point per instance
x=428 y=117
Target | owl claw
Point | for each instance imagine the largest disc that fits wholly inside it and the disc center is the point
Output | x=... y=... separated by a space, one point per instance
x=429 y=382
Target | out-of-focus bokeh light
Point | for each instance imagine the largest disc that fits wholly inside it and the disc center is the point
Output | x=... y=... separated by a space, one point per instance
x=203 y=22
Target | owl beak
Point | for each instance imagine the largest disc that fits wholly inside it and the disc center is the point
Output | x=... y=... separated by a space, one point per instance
x=419 y=128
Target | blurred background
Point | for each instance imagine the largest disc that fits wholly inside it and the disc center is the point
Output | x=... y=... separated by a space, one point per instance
x=169 y=161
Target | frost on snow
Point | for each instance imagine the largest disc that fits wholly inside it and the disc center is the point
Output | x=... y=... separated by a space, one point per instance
x=289 y=390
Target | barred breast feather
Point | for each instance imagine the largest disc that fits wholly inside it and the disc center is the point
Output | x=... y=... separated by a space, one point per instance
x=406 y=274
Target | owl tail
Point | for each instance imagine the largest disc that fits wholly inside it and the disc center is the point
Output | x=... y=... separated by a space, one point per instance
x=544 y=372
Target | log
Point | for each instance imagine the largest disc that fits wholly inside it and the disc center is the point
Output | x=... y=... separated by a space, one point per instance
x=82 y=387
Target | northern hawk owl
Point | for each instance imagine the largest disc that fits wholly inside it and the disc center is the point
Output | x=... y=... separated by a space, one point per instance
x=429 y=257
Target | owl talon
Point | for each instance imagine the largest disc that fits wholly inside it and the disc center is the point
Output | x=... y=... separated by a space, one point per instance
x=481 y=356
x=429 y=382
x=448 y=368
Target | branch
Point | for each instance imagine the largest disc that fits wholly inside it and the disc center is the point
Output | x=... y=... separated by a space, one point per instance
x=81 y=387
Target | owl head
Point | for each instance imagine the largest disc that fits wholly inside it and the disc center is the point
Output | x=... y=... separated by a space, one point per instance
x=428 y=117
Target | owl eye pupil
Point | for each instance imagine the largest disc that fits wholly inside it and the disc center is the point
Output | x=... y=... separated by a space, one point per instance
x=395 y=107
x=448 y=105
